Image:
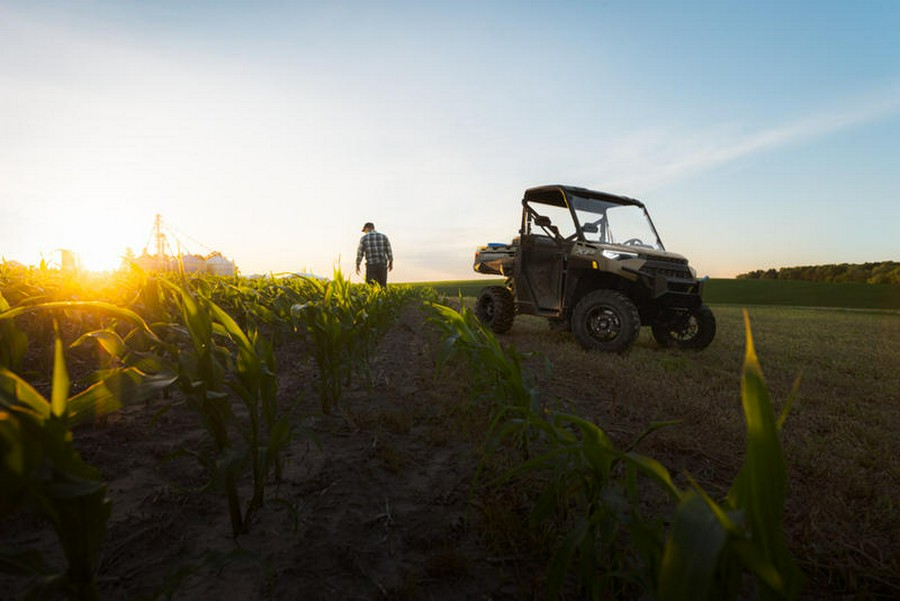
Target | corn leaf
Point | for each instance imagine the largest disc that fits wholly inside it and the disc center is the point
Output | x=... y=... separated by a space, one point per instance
x=654 y=469
x=103 y=306
x=761 y=486
x=231 y=326
x=60 y=393
x=562 y=558
x=122 y=386
x=13 y=341
x=108 y=340
x=14 y=391
x=692 y=551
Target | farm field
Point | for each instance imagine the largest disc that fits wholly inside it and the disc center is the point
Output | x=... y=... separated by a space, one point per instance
x=377 y=498
x=751 y=292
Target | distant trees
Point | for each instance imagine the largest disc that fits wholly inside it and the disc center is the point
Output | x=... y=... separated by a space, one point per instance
x=885 y=272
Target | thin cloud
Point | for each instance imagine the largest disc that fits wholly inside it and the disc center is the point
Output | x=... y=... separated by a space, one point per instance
x=651 y=159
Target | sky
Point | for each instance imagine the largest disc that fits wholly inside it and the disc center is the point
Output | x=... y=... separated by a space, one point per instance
x=759 y=134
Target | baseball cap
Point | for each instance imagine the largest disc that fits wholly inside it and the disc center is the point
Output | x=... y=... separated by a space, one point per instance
x=368 y=224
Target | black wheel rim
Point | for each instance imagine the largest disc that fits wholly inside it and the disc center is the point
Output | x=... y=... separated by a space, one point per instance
x=604 y=324
x=487 y=309
x=688 y=331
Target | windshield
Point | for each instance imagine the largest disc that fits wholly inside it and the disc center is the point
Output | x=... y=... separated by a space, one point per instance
x=611 y=223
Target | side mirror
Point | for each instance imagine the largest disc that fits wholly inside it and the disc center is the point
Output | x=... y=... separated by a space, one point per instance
x=542 y=221
x=590 y=228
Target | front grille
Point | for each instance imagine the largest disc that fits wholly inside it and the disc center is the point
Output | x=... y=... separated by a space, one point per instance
x=668 y=269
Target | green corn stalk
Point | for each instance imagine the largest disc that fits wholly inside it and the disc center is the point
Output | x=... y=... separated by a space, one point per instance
x=594 y=489
x=499 y=378
x=125 y=382
x=257 y=304
x=328 y=322
x=13 y=341
x=201 y=376
x=498 y=373
x=41 y=471
x=278 y=427
x=208 y=370
x=343 y=323
x=256 y=386
x=711 y=545
x=326 y=334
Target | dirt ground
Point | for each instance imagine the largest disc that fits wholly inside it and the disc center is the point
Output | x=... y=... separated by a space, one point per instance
x=373 y=504
x=375 y=501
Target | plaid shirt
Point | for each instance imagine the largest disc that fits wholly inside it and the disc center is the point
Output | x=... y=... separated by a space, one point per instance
x=377 y=249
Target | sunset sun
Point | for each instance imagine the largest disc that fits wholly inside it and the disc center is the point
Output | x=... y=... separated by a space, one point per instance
x=99 y=258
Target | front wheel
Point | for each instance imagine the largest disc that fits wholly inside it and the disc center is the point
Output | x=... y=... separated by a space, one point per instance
x=496 y=309
x=694 y=331
x=606 y=320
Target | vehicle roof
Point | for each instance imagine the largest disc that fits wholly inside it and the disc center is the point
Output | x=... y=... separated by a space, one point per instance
x=551 y=195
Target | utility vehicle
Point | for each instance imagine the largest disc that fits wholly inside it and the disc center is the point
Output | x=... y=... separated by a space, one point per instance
x=593 y=263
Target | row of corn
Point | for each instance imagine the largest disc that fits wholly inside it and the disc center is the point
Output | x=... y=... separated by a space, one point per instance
x=213 y=339
x=134 y=336
x=613 y=540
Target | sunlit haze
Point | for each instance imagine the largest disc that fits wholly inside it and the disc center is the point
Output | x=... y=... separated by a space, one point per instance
x=759 y=134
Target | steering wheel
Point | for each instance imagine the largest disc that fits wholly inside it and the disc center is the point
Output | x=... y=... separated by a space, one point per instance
x=634 y=242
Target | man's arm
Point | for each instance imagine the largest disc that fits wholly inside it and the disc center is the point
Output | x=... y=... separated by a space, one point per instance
x=389 y=253
x=359 y=254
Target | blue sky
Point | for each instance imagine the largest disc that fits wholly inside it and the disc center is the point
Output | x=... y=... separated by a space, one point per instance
x=759 y=134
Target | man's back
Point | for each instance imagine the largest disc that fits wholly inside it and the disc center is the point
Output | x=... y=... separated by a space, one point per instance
x=376 y=247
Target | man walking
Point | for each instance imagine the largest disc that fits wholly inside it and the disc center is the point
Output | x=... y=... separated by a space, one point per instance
x=379 y=259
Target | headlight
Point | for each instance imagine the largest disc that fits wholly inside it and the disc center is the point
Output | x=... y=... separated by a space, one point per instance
x=619 y=254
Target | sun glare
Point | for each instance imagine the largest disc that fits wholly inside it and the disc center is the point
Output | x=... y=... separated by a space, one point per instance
x=97 y=259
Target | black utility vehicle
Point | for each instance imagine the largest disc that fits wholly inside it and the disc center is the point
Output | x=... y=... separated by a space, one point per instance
x=593 y=262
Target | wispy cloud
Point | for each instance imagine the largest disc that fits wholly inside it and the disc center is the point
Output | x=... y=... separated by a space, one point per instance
x=649 y=159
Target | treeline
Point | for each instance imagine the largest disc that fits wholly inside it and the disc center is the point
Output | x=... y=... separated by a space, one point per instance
x=884 y=272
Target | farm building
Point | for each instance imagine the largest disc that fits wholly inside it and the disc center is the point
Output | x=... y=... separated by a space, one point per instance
x=214 y=263
x=219 y=265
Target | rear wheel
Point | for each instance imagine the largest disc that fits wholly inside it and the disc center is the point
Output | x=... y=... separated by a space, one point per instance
x=496 y=308
x=606 y=320
x=694 y=331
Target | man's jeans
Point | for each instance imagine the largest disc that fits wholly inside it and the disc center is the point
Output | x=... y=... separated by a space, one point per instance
x=376 y=273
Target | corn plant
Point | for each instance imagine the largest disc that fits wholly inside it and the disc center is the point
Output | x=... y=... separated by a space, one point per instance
x=13 y=341
x=208 y=370
x=343 y=324
x=324 y=323
x=592 y=489
x=41 y=471
x=498 y=373
x=256 y=386
x=499 y=378
x=128 y=377
x=202 y=368
x=613 y=547
x=711 y=544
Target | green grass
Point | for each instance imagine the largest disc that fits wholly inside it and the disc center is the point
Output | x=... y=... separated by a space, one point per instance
x=840 y=441
x=592 y=498
x=748 y=292
x=454 y=288
x=803 y=294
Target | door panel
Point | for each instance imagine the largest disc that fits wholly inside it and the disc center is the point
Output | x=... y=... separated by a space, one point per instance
x=542 y=271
